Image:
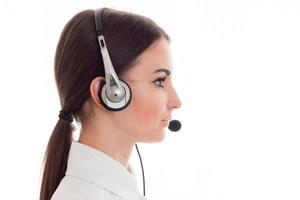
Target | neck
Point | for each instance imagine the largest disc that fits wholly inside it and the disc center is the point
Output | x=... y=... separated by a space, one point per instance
x=109 y=140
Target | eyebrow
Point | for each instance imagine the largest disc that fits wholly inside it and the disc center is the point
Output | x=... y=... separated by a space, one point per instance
x=168 y=72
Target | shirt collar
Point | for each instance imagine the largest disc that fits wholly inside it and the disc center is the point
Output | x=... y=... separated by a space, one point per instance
x=95 y=166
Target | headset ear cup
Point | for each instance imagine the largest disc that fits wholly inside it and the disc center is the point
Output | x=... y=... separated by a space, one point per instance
x=101 y=86
x=111 y=106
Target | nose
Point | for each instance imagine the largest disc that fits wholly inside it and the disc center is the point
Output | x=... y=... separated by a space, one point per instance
x=174 y=101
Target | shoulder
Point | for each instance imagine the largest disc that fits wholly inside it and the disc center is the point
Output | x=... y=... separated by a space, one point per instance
x=73 y=188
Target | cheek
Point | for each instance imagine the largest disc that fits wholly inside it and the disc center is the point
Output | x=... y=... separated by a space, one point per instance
x=143 y=117
x=147 y=107
x=148 y=112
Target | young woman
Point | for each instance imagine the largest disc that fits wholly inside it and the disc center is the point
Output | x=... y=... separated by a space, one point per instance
x=115 y=108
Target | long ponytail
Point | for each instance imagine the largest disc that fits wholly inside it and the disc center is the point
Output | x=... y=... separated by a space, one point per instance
x=56 y=157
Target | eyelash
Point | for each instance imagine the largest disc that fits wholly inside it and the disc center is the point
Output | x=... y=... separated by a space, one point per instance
x=162 y=79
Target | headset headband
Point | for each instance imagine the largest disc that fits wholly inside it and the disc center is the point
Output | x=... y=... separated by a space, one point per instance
x=115 y=94
x=98 y=20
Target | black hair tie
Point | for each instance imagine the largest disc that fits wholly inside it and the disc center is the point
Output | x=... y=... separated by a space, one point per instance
x=66 y=116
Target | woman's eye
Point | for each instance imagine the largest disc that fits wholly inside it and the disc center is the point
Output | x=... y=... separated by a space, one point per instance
x=160 y=80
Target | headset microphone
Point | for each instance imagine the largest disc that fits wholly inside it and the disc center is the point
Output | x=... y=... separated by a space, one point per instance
x=174 y=125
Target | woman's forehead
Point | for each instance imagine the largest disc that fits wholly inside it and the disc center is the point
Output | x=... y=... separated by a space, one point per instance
x=154 y=60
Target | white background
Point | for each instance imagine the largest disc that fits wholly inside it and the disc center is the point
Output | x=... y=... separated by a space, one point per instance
x=236 y=70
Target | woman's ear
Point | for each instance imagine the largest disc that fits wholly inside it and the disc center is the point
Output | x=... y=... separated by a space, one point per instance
x=95 y=89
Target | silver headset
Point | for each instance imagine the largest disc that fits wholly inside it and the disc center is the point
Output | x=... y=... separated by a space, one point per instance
x=115 y=95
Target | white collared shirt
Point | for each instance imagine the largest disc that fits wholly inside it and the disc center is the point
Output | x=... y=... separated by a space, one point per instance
x=93 y=175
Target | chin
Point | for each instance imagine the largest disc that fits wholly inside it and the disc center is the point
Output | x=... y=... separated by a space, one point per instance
x=157 y=137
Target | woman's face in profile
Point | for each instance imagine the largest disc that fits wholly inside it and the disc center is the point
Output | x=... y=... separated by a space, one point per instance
x=153 y=99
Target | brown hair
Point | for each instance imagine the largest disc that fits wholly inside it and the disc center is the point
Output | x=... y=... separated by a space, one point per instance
x=78 y=61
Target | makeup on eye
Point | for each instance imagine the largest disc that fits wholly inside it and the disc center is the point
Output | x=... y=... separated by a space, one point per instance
x=160 y=79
